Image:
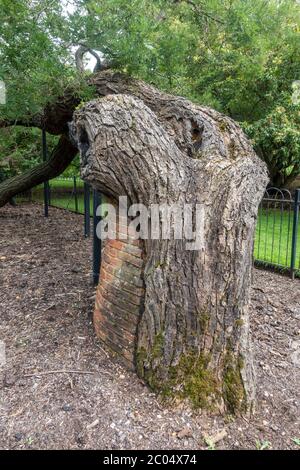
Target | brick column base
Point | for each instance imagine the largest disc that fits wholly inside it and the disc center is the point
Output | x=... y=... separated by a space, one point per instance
x=119 y=295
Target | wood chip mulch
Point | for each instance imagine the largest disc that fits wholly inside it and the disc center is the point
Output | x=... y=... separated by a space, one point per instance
x=59 y=389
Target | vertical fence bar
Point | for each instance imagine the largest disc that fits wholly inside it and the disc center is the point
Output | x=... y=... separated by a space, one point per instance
x=266 y=232
x=295 y=232
x=46 y=184
x=96 y=240
x=87 y=215
x=75 y=194
x=288 y=233
x=260 y=216
x=280 y=233
x=273 y=231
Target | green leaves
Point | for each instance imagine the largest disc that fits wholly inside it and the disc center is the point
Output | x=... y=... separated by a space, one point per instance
x=238 y=57
x=20 y=149
x=33 y=56
x=276 y=137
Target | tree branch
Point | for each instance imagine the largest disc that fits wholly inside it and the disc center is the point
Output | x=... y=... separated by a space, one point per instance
x=60 y=158
x=33 y=122
x=199 y=10
x=79 y=54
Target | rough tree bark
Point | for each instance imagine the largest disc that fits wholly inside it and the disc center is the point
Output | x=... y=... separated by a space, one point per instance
x=193 y=334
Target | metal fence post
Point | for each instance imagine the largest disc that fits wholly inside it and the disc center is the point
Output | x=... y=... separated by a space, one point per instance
x=87 y=215
x=295 y=232
x=46 y=184
x=75 y=194
x=96 y=240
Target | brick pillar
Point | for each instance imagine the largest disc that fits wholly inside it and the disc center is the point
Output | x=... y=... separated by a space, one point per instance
x=119 y=295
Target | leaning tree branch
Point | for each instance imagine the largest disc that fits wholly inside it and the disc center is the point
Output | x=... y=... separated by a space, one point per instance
x=32 y=122
x=56 y=116
x=53 y=119
x=60 y=158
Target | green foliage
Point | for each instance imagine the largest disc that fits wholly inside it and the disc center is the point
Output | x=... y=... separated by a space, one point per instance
x=276 y=138
x=36 y=61
x=210 y=443
x=262 y=445
x=248 y=61
x=296 y=441
x=236 y=56
x=21 y=149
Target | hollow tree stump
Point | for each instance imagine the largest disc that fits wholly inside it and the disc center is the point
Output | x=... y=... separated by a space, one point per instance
x=191 y=338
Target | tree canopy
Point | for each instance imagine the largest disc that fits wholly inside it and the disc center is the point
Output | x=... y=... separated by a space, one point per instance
x=240 y=57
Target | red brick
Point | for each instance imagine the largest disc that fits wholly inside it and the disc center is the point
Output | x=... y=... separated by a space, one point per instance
x=120 y=292
x=110 y=295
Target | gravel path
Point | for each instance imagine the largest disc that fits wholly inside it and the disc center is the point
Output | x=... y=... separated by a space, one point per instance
x=46 y=302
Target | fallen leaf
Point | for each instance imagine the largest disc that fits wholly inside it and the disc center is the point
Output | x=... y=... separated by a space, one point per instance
x=93 y=424
x=185 y=432
x=215 y=438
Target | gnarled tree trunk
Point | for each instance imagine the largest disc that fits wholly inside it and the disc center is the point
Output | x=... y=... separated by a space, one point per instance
x=192 y=338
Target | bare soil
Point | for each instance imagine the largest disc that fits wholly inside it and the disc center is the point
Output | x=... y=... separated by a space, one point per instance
x=46 y=303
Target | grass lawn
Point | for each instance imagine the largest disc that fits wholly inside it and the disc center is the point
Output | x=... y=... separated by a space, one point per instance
x=273 y=238
x=65 y=201
x=69 y=203
x=65 y=183
x=61 y=194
